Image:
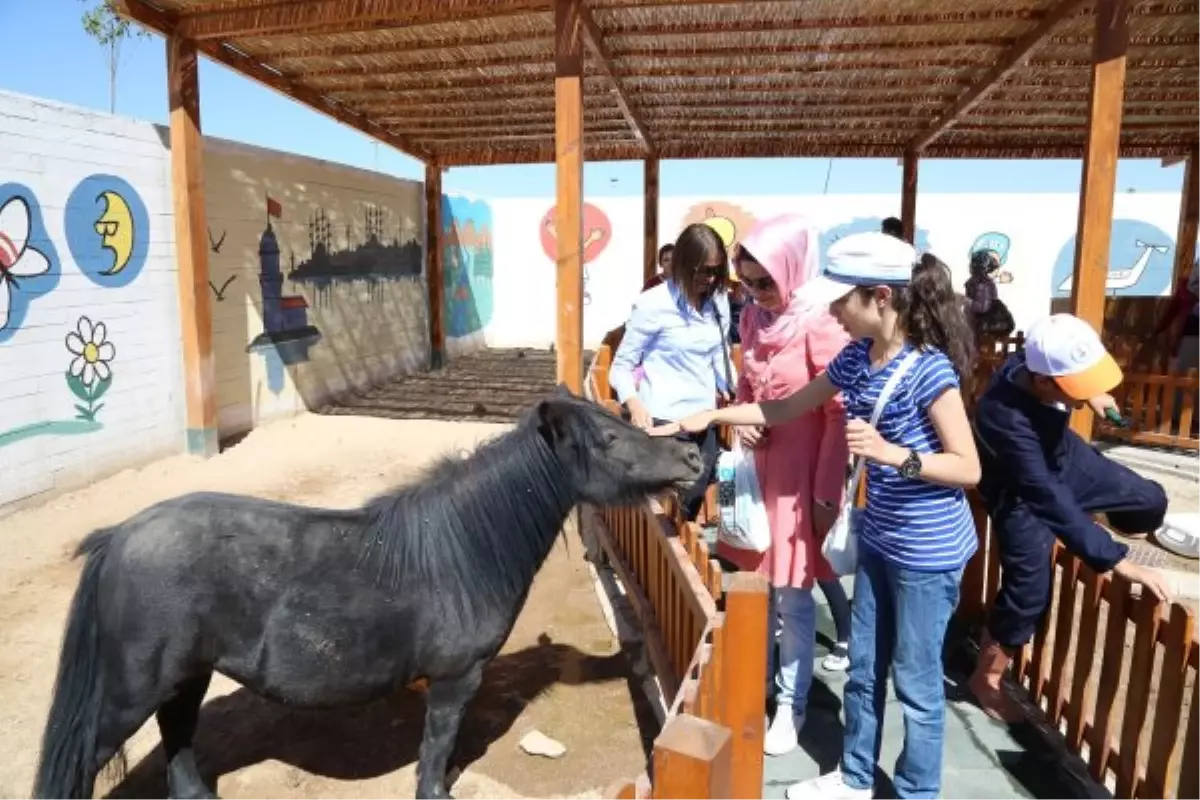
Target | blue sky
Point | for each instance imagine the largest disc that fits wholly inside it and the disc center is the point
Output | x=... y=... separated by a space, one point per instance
x=47 y=54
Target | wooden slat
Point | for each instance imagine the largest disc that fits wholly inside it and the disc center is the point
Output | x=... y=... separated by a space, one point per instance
x=568 y=138
x=434 y=279
x=1085 y=657
x=1063 y=635
x=908 y=195
x=692 y=758
x=1189 y=770
x=973 y=602
x=649 y=219
x=1110 y=677
x=744 y=680
x=1099 y=173
x=1163 y=755
x=1147 y=616
x=191 y=248
x=1040 y=661
x=1016 y=55
x=1189 y=220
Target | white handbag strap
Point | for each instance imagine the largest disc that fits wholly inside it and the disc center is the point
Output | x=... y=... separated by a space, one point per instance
x=881 y=401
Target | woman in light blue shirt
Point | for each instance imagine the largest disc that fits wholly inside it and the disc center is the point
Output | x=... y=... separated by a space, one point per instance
x=679 y=333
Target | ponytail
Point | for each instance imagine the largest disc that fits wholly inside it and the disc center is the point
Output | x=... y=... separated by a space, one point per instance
x=932 y=315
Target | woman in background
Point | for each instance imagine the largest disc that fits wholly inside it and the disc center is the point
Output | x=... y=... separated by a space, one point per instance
x=801 y=465
x=679 y=334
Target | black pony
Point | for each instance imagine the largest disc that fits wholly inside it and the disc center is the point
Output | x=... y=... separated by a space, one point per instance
x=325 y=608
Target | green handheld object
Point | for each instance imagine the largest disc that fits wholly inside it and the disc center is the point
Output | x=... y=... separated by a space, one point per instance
x=1114 y=416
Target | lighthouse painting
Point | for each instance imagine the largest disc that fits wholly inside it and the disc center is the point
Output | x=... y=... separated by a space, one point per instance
x=286 y=330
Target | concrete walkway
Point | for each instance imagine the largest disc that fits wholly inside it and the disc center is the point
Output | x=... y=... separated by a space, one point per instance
x=983 y=759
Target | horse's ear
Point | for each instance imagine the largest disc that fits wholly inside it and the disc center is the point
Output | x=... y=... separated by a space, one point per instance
x=552 y=420
x=562 y=391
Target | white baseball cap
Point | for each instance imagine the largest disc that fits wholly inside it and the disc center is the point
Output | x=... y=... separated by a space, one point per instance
x=861 y=259
x=1067 y=349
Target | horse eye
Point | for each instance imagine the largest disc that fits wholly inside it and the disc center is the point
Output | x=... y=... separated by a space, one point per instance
x=610 y=438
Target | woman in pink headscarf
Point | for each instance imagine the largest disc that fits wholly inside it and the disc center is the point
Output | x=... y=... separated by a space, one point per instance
x=801 y=465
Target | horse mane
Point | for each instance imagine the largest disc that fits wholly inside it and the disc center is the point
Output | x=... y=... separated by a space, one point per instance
x=473 y=530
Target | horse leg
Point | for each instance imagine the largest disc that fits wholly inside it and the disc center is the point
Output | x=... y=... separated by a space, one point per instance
x=177 y=724
x=445 y=703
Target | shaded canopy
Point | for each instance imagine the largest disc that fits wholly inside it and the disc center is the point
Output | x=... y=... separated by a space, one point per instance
x=457 y=82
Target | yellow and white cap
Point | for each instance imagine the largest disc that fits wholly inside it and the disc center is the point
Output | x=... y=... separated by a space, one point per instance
x=1067 y=349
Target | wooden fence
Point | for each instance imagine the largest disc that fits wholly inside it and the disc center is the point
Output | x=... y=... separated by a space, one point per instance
x=1113 y=671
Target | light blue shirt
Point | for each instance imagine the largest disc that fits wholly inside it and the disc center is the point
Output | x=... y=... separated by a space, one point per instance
x=680 y=351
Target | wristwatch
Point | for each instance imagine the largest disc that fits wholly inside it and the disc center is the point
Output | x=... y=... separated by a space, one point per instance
x=911 y=467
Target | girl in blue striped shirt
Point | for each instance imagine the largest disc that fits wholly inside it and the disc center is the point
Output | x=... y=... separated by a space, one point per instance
x=917 y=532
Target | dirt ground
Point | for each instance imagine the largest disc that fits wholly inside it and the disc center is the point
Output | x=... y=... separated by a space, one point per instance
x=561 y=671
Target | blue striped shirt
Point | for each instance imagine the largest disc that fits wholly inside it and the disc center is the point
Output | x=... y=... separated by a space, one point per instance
x=911 y=523
x=680 y=351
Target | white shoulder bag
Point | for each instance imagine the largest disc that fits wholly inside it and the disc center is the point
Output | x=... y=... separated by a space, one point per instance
x=840 y=547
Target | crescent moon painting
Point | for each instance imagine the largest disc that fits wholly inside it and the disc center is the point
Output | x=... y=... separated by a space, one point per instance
x=108 y=230
x=115 y=227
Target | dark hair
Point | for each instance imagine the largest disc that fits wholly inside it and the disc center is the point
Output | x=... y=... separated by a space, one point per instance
x=932 y=315
x=666 y=249
x=892 y=227
x=697 y=244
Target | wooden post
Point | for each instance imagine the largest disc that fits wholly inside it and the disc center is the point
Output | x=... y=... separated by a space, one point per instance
x=434 y=279
x=191 y=247
x=1105 y=101
x=692 y=759
x=908 y=196
x=650 y=219
x=568 y=148
x=744 y=680
x=1189 y=216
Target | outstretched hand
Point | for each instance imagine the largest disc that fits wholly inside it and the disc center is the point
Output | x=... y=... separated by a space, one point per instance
x=696 y=423
x=666 y=429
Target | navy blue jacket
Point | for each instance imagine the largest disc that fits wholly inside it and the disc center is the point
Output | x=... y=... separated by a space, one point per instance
x=1023 y=450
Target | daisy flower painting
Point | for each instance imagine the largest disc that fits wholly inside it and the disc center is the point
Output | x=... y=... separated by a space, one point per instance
x=89 y=375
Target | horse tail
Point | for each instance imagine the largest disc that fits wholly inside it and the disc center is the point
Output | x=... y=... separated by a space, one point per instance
x=67 y=765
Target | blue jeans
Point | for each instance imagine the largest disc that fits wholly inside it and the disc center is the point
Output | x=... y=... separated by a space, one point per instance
x=792 y=612
x=899 y=619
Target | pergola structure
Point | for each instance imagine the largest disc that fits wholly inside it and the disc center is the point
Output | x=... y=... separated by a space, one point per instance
x=475 y=82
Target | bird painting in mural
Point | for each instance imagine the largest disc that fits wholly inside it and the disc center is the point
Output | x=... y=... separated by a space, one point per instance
x=115 y=227
x=215 y=245
x=18 y=259
x=1125 y=278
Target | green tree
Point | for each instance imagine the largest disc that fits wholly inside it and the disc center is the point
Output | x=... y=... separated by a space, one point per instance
x=110 y=30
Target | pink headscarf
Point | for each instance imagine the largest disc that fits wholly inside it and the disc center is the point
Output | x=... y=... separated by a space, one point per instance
x=788 y=247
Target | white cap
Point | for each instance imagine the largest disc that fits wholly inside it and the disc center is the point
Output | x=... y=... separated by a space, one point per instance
x=861 y=259
x=1067 y=349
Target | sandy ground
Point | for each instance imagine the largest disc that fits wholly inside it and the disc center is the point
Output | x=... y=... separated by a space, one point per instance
x=560 y=672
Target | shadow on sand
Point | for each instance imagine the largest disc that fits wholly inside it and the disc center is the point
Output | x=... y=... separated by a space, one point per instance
x=367 y=741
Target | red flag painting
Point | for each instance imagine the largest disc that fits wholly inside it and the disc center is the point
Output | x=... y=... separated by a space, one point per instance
x=274 y=208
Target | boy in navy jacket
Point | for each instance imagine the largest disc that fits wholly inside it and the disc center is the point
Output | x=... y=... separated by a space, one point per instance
x=1041 y=481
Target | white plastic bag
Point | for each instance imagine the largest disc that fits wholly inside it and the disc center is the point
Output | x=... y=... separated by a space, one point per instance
x=743 y=515
x=840 y=547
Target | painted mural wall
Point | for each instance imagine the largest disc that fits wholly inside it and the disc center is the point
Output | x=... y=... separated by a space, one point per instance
x=317 y=280
x=90 y=375
x=1035 y=235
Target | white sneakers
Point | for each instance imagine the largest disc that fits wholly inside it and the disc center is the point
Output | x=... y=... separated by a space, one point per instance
x=1180 y=534
x=827 y=787
x=838 y=658
x=783 y=734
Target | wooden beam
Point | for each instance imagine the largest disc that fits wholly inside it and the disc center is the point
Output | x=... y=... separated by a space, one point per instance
x=650 y=219
x=1189 y=218
x=743 y=691
x=908 y=196
x=291 y=18
x=155 y=19
x=435 y=282
x=568 y=150
x=692 y=759
x=594 y=38
x=191 y=247
x=789 y=146
x=1013 y=58
x=1099 y=180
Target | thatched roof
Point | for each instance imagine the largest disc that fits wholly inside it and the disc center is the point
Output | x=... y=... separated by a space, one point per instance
x=472 y=81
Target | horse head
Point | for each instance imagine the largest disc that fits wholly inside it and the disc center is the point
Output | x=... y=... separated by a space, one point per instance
x=606 y=460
